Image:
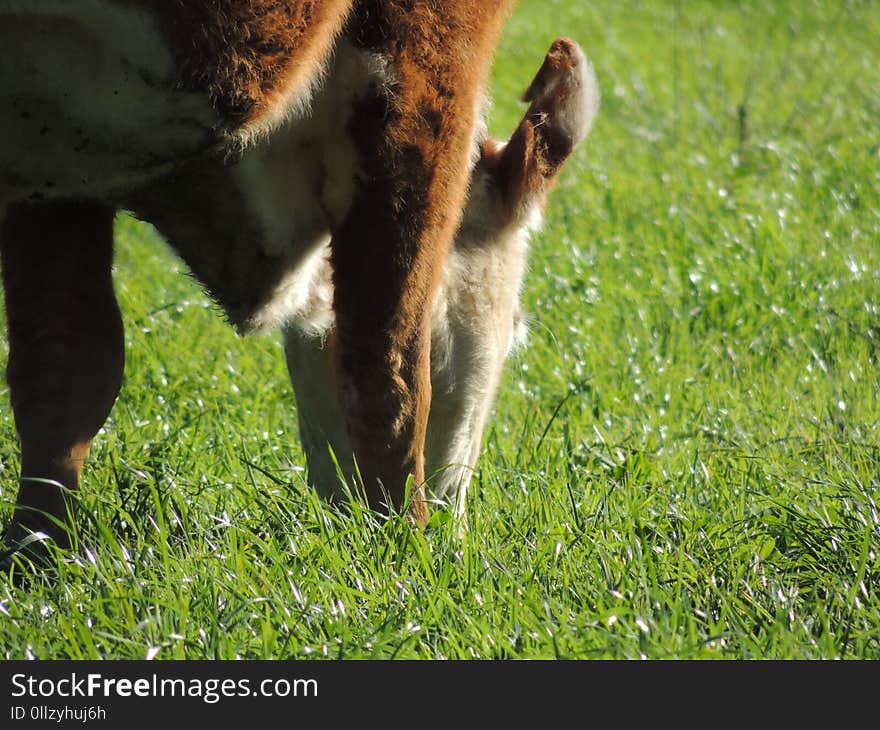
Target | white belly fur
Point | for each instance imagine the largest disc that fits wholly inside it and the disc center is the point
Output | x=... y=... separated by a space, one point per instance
x=87 y=106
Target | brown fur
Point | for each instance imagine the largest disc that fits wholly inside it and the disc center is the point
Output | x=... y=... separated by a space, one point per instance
x=245 y=55
x=66 y=347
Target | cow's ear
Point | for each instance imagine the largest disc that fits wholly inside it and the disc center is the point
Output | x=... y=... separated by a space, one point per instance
x=516 y=173
x=563 y=101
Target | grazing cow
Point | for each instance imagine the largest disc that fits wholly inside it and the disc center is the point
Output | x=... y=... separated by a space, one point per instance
x=477 y=319
x=309 y=162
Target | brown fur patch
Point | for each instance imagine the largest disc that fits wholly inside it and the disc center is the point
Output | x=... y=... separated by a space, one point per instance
x=66 y=347
x=247 y=55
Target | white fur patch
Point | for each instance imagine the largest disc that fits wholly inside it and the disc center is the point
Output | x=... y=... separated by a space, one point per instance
x=577 y=119
x=299 y=185
x=86 y=100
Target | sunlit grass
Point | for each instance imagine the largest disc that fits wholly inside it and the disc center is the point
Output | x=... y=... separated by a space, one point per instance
x=682 y=463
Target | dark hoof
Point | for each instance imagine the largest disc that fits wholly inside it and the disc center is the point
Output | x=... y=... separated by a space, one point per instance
x=26 y=554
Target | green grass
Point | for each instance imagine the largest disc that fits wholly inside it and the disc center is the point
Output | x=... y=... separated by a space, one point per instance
x=683 y=462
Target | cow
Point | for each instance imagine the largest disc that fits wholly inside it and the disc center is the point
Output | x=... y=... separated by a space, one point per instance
x=311 y=162
x=477 y=318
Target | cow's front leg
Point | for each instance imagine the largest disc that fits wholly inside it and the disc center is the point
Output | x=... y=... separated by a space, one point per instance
x=66 y=349
x=413 y=139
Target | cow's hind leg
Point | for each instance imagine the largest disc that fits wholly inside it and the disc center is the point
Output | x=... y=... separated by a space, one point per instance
x=66 y=349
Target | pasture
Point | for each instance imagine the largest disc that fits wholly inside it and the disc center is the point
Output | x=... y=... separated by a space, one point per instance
x=683 y=462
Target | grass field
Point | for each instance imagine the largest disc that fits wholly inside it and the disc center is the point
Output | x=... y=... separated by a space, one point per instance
x=683 y=463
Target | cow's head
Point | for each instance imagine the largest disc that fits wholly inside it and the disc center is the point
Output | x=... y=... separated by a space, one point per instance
x=477 y=320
